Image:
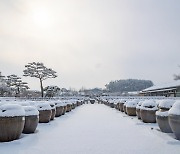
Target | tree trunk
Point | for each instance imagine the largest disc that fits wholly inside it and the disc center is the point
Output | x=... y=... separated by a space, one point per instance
x=42 y=94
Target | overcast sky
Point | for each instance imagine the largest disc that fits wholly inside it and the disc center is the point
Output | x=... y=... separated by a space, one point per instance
x=91 y=42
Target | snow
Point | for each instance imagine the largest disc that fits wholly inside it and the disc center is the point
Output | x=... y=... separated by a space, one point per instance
x=175 y=110
x=132 y=103
x=139 y=104
x=165 y=85
x=94 y=129
x=52 y=104
x=149 y=105
x=11 y=110
x=43 y=106
x=162 y=114
x=30 y=110
x=59 y=104
x=166 y=103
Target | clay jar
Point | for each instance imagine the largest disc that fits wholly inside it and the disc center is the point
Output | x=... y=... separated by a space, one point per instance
x=148 y=110
x=53 y=109
x=131 y=107
x=162 y=115
x=59 y=108
x=31 y=119
x=174 y=119
x=44 y=112
x=138 y=109
x=12 y=119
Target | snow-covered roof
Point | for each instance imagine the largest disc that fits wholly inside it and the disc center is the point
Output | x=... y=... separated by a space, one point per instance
x=168 y=86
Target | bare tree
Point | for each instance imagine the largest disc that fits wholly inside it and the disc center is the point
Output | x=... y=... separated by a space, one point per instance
x=15 y=82
x=38 y=70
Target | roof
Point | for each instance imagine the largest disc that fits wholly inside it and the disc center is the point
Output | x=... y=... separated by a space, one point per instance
x=168 y=86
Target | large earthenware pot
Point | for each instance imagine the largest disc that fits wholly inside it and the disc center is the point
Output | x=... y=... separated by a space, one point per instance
x=148 y=110
x=174 y=119
x=53 y=109
x=121 y=104
x=12 y=119
x=124 y=107
x=68 y=107
x=59 y=109
x=131 y=107
x=92 y=101
x=44 y=112
x=138 y=109
x=162 y=115
x=31 y=119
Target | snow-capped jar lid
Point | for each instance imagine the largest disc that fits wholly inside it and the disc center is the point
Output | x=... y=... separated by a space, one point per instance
x=132 y=103
x=11 y=110
x=175 y=110
x=43 y=106
x=139 y=104
x=149 y=105
x=162 y=114
x=23 y=103
x=30 y=110
x=52 y=104
x=166 y=103
x=59 y=104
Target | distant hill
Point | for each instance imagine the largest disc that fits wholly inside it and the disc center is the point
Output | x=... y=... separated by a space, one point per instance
x=128 y=85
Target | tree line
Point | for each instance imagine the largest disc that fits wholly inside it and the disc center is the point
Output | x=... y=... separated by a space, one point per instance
x=128 y=85
x=12 y=85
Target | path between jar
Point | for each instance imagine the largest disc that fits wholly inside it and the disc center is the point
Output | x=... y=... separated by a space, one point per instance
x=94 y=129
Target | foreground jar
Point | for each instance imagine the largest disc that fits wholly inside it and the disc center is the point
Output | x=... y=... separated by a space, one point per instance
x=174 y=119
x=12 y=119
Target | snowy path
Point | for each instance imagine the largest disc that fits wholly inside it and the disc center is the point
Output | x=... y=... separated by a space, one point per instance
x=94 y=129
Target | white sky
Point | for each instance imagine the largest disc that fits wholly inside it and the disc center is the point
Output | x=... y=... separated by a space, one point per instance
x=91 y=42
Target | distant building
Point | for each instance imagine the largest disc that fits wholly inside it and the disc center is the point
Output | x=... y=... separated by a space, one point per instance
x=168 y=90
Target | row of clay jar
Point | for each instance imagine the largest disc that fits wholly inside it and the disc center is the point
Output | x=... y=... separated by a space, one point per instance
x=23 y=117
x=165 y=112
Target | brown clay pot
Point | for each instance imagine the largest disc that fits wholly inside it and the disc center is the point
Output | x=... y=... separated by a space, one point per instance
x=121 y=107
x=124 y=108
x=148 y=116
x=11 y=128
x=59 y=111
x=44 y=116
x=138 y=113
x=31 y=123
x=131 y=111
x=111 y=105
x=53 y=114
x=64 y=110
x=163 y=124
x=69 y=107
x=174 y=122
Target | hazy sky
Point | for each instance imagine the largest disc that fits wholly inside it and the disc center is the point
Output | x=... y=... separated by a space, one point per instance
x=91 y=42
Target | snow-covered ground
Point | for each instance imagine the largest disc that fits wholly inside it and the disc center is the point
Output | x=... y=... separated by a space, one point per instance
x=94 y=129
